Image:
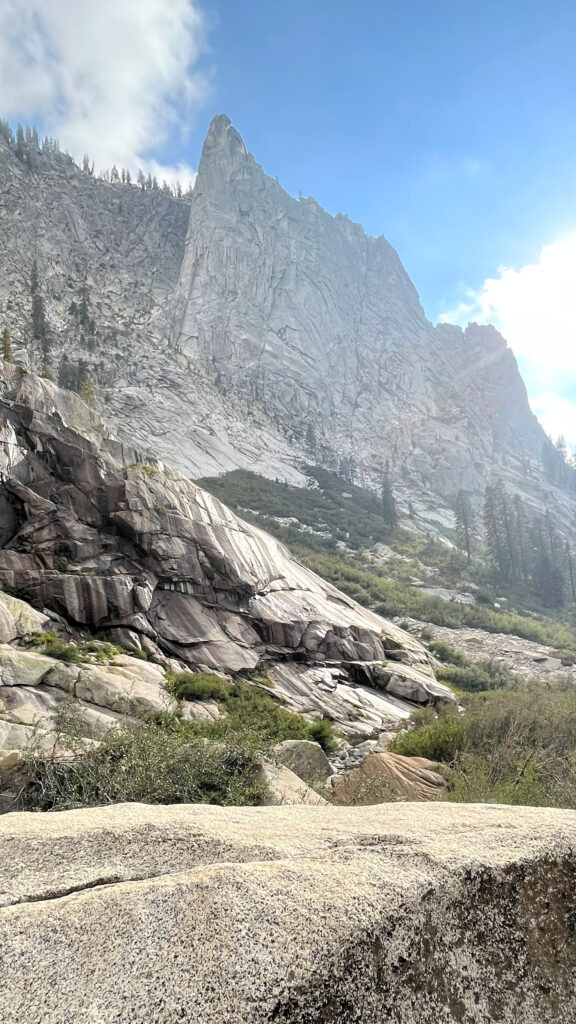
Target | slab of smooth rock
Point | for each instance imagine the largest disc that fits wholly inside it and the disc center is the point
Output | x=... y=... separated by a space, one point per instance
x=22 y=668
x=285 y=787
x=380 y=776
x=17 y=618
x=418 y=914
x=305 y=758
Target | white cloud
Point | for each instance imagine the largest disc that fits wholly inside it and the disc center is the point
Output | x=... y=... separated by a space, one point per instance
x=557 y=415
x=535 y=309
x=112 y=78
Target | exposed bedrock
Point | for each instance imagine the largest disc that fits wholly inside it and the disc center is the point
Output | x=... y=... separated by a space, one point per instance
x=406 y=912
x=114 y=542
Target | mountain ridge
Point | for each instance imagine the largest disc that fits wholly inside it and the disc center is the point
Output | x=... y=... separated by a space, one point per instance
x=249 y=329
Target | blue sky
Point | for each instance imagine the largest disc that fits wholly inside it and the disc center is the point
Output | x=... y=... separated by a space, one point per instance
x=449 y=127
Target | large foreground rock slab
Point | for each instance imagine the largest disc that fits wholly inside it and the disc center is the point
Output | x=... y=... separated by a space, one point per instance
x=406 y=913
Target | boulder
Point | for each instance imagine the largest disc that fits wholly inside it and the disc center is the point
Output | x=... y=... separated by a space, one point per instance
x=410 y=913
x=123 y=690
x=306 y=759
x=17 y=618
x=285 y=787
x=387 y=776
x=22 y=668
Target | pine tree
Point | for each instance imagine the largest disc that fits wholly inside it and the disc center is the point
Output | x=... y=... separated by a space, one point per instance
x=570 y=566
x=561 y=446
x=548 y=580
x=141 y=179
x=86 y=391
x=388 y=501
x=20 y=142
x=6 y=345
x=498 y=530
x=311 y=437
x=521 y=529
x=465 y=524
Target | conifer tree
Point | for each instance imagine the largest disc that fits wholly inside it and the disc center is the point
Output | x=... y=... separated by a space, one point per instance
x=389 y=511
x=465 y=524
x=6 y=345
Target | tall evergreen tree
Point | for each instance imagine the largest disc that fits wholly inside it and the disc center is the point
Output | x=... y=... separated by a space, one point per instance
x=498 y=531
x=548 y=580
x=86 y=391
x=465 y=524
x=388 y=501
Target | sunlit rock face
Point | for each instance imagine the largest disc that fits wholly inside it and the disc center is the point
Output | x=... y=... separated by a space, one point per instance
x=113 y=542
x=246 y=328
x=306 y=316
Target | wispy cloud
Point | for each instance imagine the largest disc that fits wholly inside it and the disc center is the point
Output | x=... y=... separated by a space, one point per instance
x=535 y=309
x=111 y=78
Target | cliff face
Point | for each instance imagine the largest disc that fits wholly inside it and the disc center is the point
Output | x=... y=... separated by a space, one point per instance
x=318 y=323
x=93 y=532
x=250 y=329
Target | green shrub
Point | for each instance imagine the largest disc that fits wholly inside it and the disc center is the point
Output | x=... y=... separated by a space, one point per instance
x=516 y=747
x=197 y=686
x=148 y=764
x=449 y=655
x=439 y=741
x=51 y=645
x=322 y=732
x=256 y=718
x=478 y=675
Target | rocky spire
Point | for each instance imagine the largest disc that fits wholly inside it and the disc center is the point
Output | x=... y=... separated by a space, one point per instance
x=223 y=153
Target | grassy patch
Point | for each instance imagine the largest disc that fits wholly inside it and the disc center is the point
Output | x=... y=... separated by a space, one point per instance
x=330 y=506
x=391 y=598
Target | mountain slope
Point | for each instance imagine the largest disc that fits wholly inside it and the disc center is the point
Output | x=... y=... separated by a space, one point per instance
x=250 y=329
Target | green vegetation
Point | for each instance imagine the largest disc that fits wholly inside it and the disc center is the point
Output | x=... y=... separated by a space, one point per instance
x=197 y=686
x=472 y=676
x=508 y=747
x=249 y=713
x=389 y=598
x=333 y=508
x=166 y=759
x=6 y=345
x=149 y=764
x=101 y=651
x=144 y=467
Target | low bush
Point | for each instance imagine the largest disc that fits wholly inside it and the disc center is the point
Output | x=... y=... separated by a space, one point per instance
x=514 y=747
x=251 y=714
x=197 y=686
x=478 y=675
x=148 y=764
x=449 y=655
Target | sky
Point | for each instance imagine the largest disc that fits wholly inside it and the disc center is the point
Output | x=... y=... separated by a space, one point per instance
x=449 y=127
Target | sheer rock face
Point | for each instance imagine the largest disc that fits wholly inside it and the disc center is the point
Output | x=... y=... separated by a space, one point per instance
x=249 y=329
x=112 y=542
x=319 y=323
x=406 y=912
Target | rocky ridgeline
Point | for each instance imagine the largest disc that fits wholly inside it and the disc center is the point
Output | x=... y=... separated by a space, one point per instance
x=251 y=329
